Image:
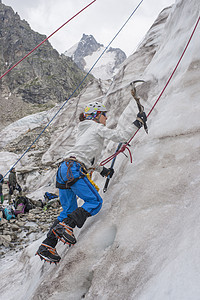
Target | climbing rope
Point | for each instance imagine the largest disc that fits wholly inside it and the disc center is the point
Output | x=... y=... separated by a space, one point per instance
x=125 y=146
x=79 y=85
x=46 y=39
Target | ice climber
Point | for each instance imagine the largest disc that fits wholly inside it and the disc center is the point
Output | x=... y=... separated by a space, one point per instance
x=72 y=179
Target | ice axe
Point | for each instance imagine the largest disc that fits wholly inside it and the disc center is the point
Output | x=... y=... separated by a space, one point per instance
x=137 y=99
x=112 y=165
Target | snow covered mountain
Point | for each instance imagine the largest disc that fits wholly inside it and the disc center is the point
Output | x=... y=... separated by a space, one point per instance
x=86 y=52
x=144 y=243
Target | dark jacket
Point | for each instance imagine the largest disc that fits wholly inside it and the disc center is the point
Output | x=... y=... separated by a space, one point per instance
x=12 y=180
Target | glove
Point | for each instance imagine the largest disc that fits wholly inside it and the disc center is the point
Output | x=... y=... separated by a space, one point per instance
x=140 y=120
x=106 y=172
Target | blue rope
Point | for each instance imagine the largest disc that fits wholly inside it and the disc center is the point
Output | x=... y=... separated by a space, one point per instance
x=74 y=90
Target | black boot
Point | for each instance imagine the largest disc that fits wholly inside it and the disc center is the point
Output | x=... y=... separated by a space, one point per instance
x=77 y=217
x=65 y=233
x=47 y=249
x=48 y=253
x=64 y=230
x=51 y=239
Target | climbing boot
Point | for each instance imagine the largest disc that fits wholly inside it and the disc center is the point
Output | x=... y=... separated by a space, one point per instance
x=65 y=233
x=48 y=253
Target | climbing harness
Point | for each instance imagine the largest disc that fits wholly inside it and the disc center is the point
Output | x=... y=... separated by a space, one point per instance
x=125 y=146
x=70 y=177
x=46 y=39
x=79 y=85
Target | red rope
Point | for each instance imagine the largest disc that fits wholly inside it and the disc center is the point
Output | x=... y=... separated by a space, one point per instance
x=125 y=146
x=46 y=39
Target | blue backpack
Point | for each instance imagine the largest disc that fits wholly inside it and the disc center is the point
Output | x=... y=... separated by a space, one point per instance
x=8 y=213
x=49 y=196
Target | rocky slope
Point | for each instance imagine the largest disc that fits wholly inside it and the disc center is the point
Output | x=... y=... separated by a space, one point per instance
x=18 y=232
x=45 y=77
x=86 y=52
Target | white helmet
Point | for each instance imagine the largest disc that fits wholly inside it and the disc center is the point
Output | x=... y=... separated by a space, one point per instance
x=94 y=107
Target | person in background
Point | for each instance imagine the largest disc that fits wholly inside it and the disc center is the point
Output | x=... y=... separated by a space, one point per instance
x=13 y=184
x=1 y=188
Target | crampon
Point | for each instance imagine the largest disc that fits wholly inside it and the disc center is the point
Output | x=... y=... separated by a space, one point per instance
x=49 y=254
x=64 y=233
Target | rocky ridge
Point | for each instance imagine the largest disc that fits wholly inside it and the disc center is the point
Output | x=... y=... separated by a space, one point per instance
x=44 y=77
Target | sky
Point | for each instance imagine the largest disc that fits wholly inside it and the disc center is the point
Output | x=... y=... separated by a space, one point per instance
x=102 y=19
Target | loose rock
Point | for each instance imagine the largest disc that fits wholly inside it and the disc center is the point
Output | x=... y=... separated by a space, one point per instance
x=19 y=232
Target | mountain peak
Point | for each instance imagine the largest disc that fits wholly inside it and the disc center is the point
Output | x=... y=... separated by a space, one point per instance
x=86 y=46
x=86 y=52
